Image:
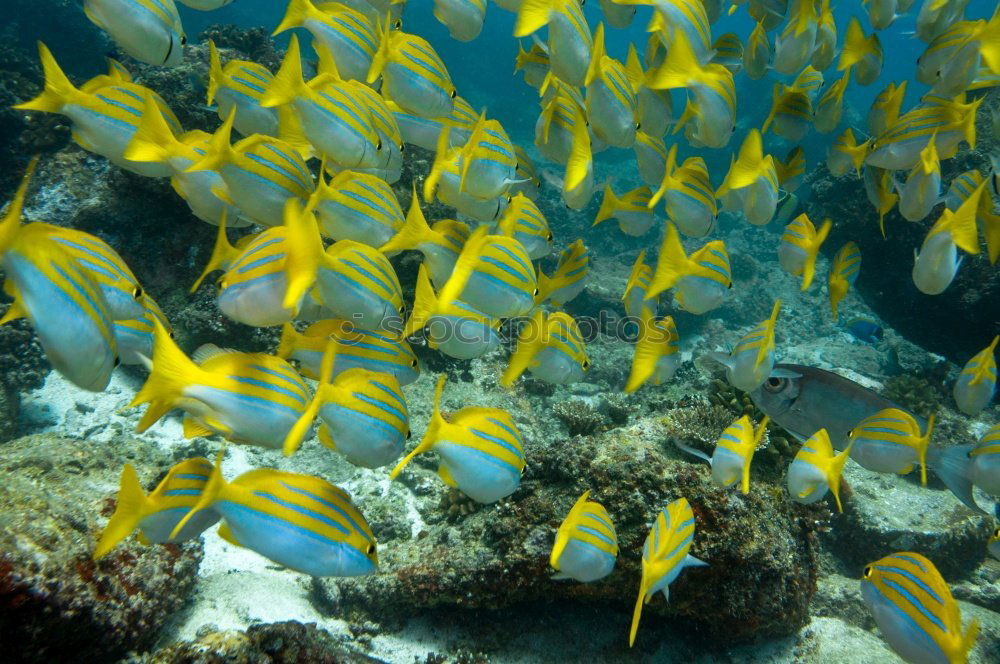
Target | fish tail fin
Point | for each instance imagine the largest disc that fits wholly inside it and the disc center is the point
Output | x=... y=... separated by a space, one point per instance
x=290 y=337
x=765 y=348
x=430 y=435
x=288 y=83
x=437 y=168
x=304 y=252
x=414 y=231
x=833 y=472
x=153 y=140
x=220 y=150
x=679 y=68
x=10 y=225
x=327 y=63
x=636 y=614
x=597 y=52
x=748 y=165
x=991 y=230
x=671 y=265
x=464 y=266
x=425 y=302
x=962 y=223
x=529 y=342
x=532 y=15
x=216 y=77
x=668 y=177
x=296 y=14
x=774 y=109
x=323 y=391
x=968 y=639
x=170 y=373
x=580 y=154
x=223 y=254
x=381 y=57
x=646 y=351
x=214 y=488
x=989 y=43
x=922 y=450
x=469 y=149
x=952 y=465
x=809 y=269
x=633 y=277
x=609 y=204
x=855 y=48
x=58 y=90
x=128 y=512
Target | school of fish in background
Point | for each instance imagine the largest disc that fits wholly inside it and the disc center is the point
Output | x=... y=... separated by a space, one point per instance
x=323 y=258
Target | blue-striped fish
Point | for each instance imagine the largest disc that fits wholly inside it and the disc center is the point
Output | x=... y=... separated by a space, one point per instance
x=356 y=349
x=557 y=127
x=791 y=169
x=568 y=279
x=961 y=187
x=791 y=113
x=134 y=337
x=816 y=469
x=657 y=352
x=799 y=247
x=701 y=279
x=454 y=328
x=880 y=192
x=534 y=63
x=825 y=49
x=965 y=185
x=846 y=153
x=650 y=157
x=676 y=19
x=66 y=308
x=936 y=263
x=248 y=398
x=569 y=38
x=487 y=162
x=349 y=34
x=632 y=210
x=751 y=185
x=240 y=84
x=494 y=275
x=104 y=118
x=156 y=515
x=914 y=609
x=728 y=52
x=612 y=105
x=947 y=122
x=665 y=555
x=413 y=74
x=424 y=132
x=524 y=222
x=952 y=45
x=985 y=468
x=148 y=30
x=301 y=522
x=481 y=450
x=757 y=53
x=890 y=441
x=734 y=452
x=752 y=360
x=634 y=298
x=861 y=54
x=794 y=46
x=688 y=195
x=357 y=206
x=586 y=545
x=830 y=106
x=844 y=269
x=551 y=347
x=261 y=174
x=977 y=383
x=884 y=111
x=922 y=189
x=363 y=414
x=440 y=244
x=809 y=81
x=463 y=18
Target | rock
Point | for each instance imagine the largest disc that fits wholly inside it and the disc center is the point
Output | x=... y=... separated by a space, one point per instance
x=56 y=603
x=761 y=547
x=10 y=406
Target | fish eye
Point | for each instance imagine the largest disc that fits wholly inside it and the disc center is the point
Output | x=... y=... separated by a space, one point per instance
x=378 y=146
x=774 y=384
x=586 y=364
x=118 y=361
x=397 y=24
x=535 y=293
x=370 y=550
x=184 y=40
x=401 y=147
x=409 y=434
x=996 y=533
x=402 y=309
x=171 y=334
x=413 y=363
x=638 y=126
x=549 y=237
x=868 y=572
x=137 y=291
x=454 y=93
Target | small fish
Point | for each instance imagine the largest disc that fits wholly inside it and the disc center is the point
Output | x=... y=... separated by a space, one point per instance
x=569 y=37
x=757 y=53
x=586 y=546
x=635 y=300
x=830 y=107
x=815 y=470
x=562 y=122
x=454 y=328
x=794 y=46
x=524 y=222
x=899 y=147
x=440 y=244
x=734 y=452
x=985 y=468
x=791 y=113
x=861 y=54
x=632 y=210
x=665 y=555
x=134 y=337
x=879 y=190
x=363 y=414
x=569 y=278
x=937 y=262
x=826 y=39
x=413 y=74
x=533 y=62
x=156 y=515
x=359 y=207
x=913 y=607
x=148 y=30
x=844 y=270
x=701 y=279
x=551 y=347
x=885 y=109
x=846 y=153
x=389 y=166
x=890 y=441
x=865 y=330
x=799 y=247
x=752 y=360
x=463 y=18
x=249 y=398
x=977 y=382
x=301 y=522
x=791 y=169
x=788 y=205
x=486 y=165
x=240 y=85
x=922 y=190
x=687 y=195
x=752 y=182
x=481 y=450
x=657 y=352
x=612 y=104
x=728 y=52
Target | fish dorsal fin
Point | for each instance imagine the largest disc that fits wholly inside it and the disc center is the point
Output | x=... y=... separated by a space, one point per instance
x=206 y=352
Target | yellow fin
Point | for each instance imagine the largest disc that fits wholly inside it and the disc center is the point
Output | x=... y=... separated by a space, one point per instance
x=430 y=435
x=671 y=265
x=172 y=371
x=214 y=489
x=194 y=429
x=10 y=225
x=809 y=269
x=216 y=76
x=128 y=512
x=303 y=252
x=529 y=342
x=153 y=140
x=223 y=254
x=414 y=231
x=437 y=168
x=609 y=204
x=288 y=82
x=425 y=303
x=296 y=14
x=532 y=15
x=227 y=534
x=58 y=90
x=322 y=394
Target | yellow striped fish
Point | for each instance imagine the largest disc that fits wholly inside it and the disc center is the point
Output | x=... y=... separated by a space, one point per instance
x=816 y=469
x=791 y=113
x=799 y=247
x=728 y=52
x=66 y=308
x=701 y=279
x=551 y=347
x=885 y=109
x=962 y=187
x=240 y=84
x=656 y=109
x=349 y=34
x=586 y=545
x=104 y=118
x=557 y=127
x=899 y=147
x=524 y=222
x=249 y=398
x=844 y=270
x=752 y=182
x=635 y=300
x=890 y=441
x=363 y=415
x=148 y=30
x=569 y=278
x=826 y=39
x=922 y=189
x=463 y=18
x=752 y=360
x=936 y=263
x=650 y=157
x=612 y=105
x=355 y=348
x=487 y=162
x=688 y=195
x=977 y=383
x=533 y=62
x=757 y=53
x=440 y=244
x=985 y=469
x=570 y=41
x=134 y=337
x=632 y=210
x=830 y=107
x=734 y=452
x=357 y=206
x=676 y=19
x=413 y=74
x=846 y=153
x=793 y=48
x=914 y=609
x=657 y=352
x=665 y=555
x=791 y=169
x=301 y=522
x=809 y=81
x=481 y=450
x=156 y=515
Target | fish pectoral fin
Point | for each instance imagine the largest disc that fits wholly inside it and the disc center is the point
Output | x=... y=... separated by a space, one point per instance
x=691 y=561
x=325 y=438
x=227 y=534
x=446 y=477
x=193 y=428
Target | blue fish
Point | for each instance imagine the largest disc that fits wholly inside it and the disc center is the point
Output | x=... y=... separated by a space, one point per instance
x=865 y=330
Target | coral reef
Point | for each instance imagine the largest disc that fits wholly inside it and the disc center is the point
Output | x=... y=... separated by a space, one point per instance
x=920 y=394
x=580 y=418
x=56 y=603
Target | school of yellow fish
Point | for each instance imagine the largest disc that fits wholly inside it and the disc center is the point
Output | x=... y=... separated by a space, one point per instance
x=313 y=167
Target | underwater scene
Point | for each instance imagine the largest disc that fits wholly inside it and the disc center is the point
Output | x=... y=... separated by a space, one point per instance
x=496 y=331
